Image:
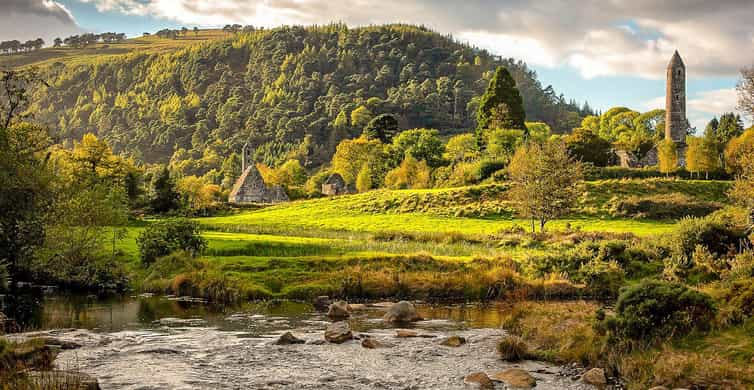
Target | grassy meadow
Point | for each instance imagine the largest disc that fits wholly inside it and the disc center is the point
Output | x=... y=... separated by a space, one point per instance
x=400 y=243
x=72 y=56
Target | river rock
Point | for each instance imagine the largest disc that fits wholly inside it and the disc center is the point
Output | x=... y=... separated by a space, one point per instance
x=595 y=377
x=659 y=388
x=66 y=379
x=454 y=341
x=288 y=338
x=321 y=302
x=515 y=378
x=338 y=332
x=62 y=344
x=402 y=312
x=372 y=343
x=479 y=380
x=406 y=333
x=339 y=309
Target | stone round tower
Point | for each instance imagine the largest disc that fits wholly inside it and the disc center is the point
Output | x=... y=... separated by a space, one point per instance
x=675 y=105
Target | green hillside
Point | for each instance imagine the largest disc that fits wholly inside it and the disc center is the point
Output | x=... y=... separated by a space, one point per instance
x=194 y=105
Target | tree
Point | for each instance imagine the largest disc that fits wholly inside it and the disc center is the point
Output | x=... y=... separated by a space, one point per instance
x=14 y=98
x=57 y=42
x=290 y=174
x=701 y=155
x=736 y=149
x=198 y=194
x=743 y=189
x=360 y=117
x=501 y=105
x=352 y=155
x=745 y=90
x=382 y=127
x=720 y=133
x=25 y=194
x=421 y=144
x=544 y=180
x=196 y=31
x=586 y=146
x=462 y=147
x=538 y=131
x=165 y=196
x=364 y=179
x=502 y=143
x=410 y=174
x=164 y=237
x=667 y=154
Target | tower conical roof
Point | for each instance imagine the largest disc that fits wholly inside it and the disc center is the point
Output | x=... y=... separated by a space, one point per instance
x=676 y=61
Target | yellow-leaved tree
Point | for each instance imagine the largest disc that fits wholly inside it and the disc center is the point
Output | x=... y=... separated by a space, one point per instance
x=410 y=174
x=667 y=154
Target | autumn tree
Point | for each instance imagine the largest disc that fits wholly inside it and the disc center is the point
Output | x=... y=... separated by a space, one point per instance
x=360 y=117
x=736 y=149
x=501 y=106
x=411 y=174
x=667 y=154
x=352 y=155
x=701 y=156
x=544 y=181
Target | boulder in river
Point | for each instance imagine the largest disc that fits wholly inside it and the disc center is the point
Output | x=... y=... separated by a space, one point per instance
x=515 y=378
x=372 y=343
x=595 y=377
x=402 y=312
x=339 y=309
x=454 y=341
x=288 y=338
x=338 y=332
x=479 y=380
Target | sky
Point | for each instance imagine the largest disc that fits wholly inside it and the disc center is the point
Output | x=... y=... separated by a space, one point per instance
x=607 y=52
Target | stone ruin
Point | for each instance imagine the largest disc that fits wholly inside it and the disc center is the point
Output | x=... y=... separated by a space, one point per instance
x=334 y=185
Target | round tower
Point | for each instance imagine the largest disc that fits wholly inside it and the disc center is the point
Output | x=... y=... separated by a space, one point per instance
x=675 y=101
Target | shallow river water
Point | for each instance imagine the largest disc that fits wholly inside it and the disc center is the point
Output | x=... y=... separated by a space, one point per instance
x=167 y=343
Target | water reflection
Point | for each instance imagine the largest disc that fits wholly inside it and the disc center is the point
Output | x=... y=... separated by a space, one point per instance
x=146 y=312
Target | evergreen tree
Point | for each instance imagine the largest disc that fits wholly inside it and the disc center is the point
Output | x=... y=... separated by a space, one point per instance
x=501 y=105
x=166 y=198
x=382 y=127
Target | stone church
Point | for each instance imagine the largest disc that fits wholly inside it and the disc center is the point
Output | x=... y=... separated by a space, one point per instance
x=250 y=187
x=676 y=124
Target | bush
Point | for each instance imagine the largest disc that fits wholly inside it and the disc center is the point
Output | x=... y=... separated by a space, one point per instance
x=165 y=237
x=653 y=310
x=512 y=349
x=603 y=278
x=718 y=233
x=663 y=206
x=616 y=172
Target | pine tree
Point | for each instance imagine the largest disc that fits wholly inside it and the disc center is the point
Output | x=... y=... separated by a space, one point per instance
x=382 y=127
x=165 y=196
x=502 y=105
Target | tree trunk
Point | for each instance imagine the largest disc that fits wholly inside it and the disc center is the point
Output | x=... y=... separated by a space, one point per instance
x=542 y=222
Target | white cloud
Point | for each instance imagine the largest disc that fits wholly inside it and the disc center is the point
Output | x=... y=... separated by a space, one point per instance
x=702 y=106
x=597 y=37
x=31 y=19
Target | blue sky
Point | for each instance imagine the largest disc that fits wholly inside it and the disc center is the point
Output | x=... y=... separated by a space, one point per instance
x=607 y=53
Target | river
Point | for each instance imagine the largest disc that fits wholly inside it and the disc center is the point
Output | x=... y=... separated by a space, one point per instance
x=145 y=342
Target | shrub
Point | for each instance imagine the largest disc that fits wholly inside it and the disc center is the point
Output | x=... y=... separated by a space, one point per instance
x=719 y=233
x=663 y=206
x=602 y=278
x=512 y=349
x=165 y=237
x=655 y=310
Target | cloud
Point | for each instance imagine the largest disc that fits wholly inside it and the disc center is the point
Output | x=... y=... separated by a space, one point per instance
x=31 y=19
x=702 y=106
x=597 y=37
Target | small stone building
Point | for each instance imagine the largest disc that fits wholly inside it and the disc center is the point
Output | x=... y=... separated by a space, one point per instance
x=251 y=188
x=334 y=185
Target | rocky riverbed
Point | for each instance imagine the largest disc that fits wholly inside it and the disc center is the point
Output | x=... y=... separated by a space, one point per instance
x=190 y=353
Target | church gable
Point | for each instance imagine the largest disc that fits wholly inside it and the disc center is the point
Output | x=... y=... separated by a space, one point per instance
x=251 y=188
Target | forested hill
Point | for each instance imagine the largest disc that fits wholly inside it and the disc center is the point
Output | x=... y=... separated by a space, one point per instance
x=289 y=90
